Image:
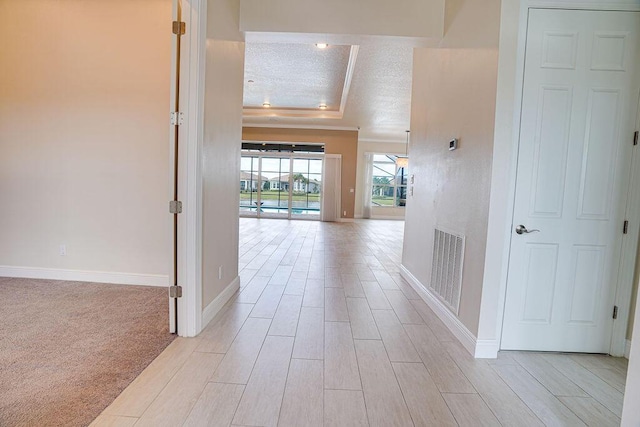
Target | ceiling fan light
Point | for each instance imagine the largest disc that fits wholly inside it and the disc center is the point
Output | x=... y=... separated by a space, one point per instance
x=402 y=162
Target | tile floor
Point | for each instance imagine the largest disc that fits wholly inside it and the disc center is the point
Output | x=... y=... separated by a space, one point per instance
x=325 y=332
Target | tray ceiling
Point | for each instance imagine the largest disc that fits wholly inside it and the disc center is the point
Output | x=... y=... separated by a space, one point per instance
x=295 y=76
x=366 y=87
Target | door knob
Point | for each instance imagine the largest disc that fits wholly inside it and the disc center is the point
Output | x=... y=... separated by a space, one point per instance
x=521 y=229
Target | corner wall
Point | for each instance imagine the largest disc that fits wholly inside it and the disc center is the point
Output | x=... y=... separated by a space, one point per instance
x=453 y=96
x=224 y=75
x=84 y=138
x=340 y=142
x=634 y=298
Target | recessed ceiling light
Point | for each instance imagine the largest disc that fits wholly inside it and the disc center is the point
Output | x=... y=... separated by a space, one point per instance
x=250 y=81
x=322 y=106
x=266 y=105
x=322 y=45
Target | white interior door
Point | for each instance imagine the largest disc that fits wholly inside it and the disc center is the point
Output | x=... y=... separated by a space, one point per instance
x=579 y=106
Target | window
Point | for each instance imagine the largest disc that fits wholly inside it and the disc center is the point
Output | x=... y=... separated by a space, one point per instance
x=388 y=182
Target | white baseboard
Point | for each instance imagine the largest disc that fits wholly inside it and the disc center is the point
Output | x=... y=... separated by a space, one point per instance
x=485 y=349
x=216 y=305
x=627 y=348
x=388 y=217
x=85 y=276
x=346 y=220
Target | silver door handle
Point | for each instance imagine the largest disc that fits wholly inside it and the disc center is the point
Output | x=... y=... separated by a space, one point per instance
x=521 y=229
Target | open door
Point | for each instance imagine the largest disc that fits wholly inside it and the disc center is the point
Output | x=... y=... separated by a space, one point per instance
x=175 y=206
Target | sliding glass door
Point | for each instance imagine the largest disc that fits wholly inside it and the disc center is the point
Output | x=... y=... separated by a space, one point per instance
x=249 y=185
x=307 y=188
x=275 y=197
x=282 y=185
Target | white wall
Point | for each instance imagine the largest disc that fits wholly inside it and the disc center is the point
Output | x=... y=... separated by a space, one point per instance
x=500 y=223
x=634 y=298
x=630 y=412
x=453 y=96
x=84 y=137
x=221 y=148
x=379 y=148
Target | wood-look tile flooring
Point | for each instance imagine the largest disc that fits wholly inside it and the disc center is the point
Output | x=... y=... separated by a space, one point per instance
x=325 y=332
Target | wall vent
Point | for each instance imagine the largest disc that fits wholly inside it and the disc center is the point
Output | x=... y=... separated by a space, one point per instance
x=446 y=268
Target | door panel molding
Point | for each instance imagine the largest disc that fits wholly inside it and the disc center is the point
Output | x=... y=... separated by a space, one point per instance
x=595 y=196
x=514 y=17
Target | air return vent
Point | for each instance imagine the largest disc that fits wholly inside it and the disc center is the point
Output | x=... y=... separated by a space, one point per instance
x=446 y=271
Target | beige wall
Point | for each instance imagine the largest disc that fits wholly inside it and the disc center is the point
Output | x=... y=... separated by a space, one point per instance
x=221 y=149
x=84 y=134
x=454 y=92
x=471 y=23
x=379 y=148
x=409 y=18
x=335 y=142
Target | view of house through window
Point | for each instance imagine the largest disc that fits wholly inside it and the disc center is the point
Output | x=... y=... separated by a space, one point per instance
x=388 y=182
x=280 y=183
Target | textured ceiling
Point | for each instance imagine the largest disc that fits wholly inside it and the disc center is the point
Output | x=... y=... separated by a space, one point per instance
x=379 y=94
x=294 y=75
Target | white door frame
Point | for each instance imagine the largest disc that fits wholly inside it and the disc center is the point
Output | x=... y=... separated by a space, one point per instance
x=623 y=292
x=192 y=74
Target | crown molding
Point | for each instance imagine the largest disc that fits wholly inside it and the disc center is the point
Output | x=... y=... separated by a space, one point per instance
x=292 y=126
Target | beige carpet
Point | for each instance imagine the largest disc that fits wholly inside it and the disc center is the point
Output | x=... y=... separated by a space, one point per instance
x=67 y=349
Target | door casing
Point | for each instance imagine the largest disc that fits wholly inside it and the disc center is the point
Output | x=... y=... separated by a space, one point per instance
x=630 y=246
x=603 y=230
x=189 y=241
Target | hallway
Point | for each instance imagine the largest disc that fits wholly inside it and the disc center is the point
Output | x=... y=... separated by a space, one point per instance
x=325 y=332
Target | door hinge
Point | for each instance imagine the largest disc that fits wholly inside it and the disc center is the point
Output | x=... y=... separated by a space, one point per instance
x=635 y=138
x=178 y=27
x=615 y=311
x=625 y=227
x=175 y=207
x=177 y=118
x=175 y=291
